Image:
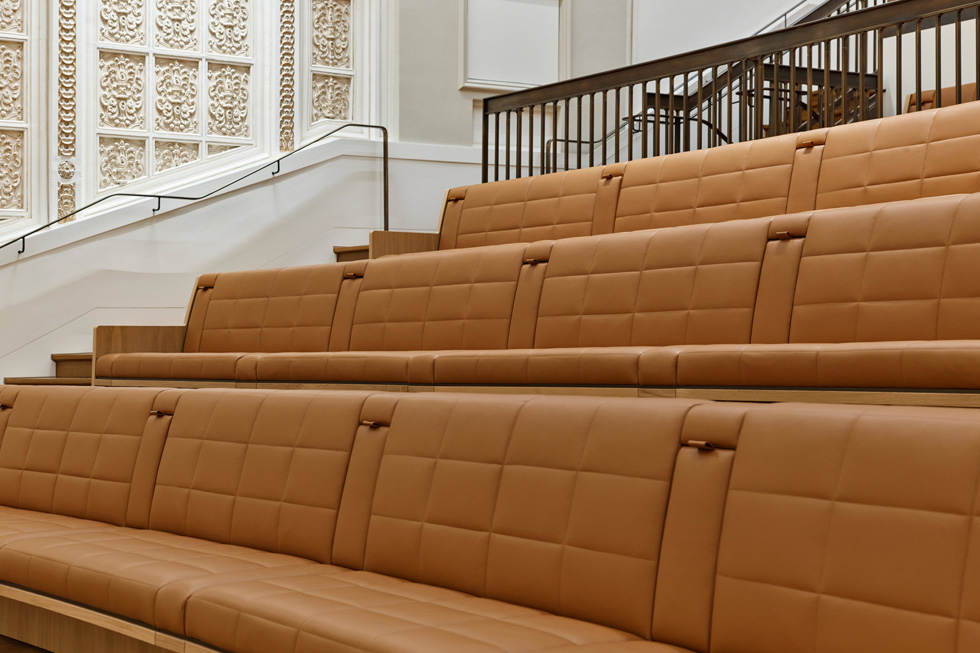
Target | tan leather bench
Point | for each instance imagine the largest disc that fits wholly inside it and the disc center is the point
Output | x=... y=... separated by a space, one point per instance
x=924 y=154
x=253 y=521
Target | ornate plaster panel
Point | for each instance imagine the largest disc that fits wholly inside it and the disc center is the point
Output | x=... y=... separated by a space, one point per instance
x=331 y=97
x=11 y=16
x=228 y=27
x=121 y=21
x=172 y=154
x=12 y=170
x=11 y=80
x=176 y=24
x=287 y=74
x=66 y=78
x=121 y=80
x=120 y=160
x=228 y=100
x=332 y=33
x=176 y=96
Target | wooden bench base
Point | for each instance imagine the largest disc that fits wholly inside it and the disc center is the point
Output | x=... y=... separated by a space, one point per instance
x=34 y=620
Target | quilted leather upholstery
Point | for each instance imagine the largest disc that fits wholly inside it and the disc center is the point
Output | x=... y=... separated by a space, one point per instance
x=671 y=286
x=288 y=309
x=744 y=180
x=438 y=300
x=922 y=154
x=79 y=452
x=559 y=205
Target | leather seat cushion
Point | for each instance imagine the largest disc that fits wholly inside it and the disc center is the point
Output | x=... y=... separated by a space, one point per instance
x=205 y=367
x=331 y=607
x=16 y=524
x=341 y=366
x=909 y=364
x=558 y=366
x=139 y=574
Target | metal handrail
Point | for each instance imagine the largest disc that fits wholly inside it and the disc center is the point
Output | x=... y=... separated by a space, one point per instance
x=159 y=198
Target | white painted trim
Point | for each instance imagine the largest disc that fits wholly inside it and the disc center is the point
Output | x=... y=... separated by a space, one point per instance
x=128 y=212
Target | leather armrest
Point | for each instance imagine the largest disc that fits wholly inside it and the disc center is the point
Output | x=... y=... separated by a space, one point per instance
x=131 y=339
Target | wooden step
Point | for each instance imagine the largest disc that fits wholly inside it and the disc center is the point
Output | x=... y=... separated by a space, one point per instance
x=72 y=365
x=48 y=380
x=352 y=253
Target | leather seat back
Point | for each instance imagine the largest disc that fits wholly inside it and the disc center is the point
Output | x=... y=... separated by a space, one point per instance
x=897 y=271
x=743 y=180
x=90 y=453
x=691 y=284
x=257 y=469
x=922 y=154
x=288 y=309
x=543 y=207
x=556 y=503
x=460 y=299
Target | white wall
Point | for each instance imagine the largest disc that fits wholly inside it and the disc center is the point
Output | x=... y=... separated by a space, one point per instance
x=142 y=273
x=662 y=28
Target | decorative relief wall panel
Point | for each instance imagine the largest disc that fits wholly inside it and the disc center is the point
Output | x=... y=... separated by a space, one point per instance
x=214 y=150
x=228 y=27
x=176 y=95
x=287 y=74
x=121 y=91
x=66 y=77
x=121 y=21
x=331 y=33
x=228 y=100
x=331 y=98
x=11 y=16
x=12 y=170
x=172 y=154
x=331 y=77
x=176 y=24
x=11 y=75
x=121 y=160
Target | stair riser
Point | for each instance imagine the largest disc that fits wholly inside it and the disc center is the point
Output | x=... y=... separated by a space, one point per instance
x=73 y=368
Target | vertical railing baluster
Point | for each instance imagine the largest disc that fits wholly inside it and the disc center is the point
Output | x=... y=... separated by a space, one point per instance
x=496 y=146
x=507 y=147
x=809 y=86
x=591 y=129
x=485 y=165
x=544 y=137
x=828 y=116
x=760 y=75
x=605 y=126
x=700 y=123
x=578 y=137
x=845 y=79
x=939 y=61
x=685 y=116
x=657 y=139
x=619 y=112
x=644 y=151
x=530 y=141
x=880 y=75
x=862 y=68
x=670 y=115
x=520 y=124
x=898 y=68
x=918 y=64
x=629 y=123
x=958 y=60
x=793 y=126
x=554 y=136
x=743 y=110
x=730 y=128
x=567 y=131
x=774 y=96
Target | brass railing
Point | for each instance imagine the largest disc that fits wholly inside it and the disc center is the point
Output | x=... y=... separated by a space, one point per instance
x=844 y=62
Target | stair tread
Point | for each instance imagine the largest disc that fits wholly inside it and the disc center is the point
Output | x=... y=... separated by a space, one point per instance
x=47 y=380
x=87 y=356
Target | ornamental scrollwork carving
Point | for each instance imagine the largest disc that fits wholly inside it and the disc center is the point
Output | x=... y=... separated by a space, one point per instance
x=176 y=23
x=11 y=78
x=331 y=98
x=11 y=16
x=11 y=170
x=287 y=74
x=121 y=91
x=215 y=150
x=66 y=78
x=228 y=100
x=331 y=33
x=121 y=21
x=176 y=95
x=228 y=27
x=66 y=201
x=172 y=154
x=121 y=160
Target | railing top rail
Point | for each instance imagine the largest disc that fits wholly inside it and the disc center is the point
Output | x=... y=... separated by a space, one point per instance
x=878 y=17
x=22 y=239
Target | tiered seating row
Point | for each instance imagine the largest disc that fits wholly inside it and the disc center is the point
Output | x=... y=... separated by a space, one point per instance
x=877 y=297
x=258 y=521
x=902 y=157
